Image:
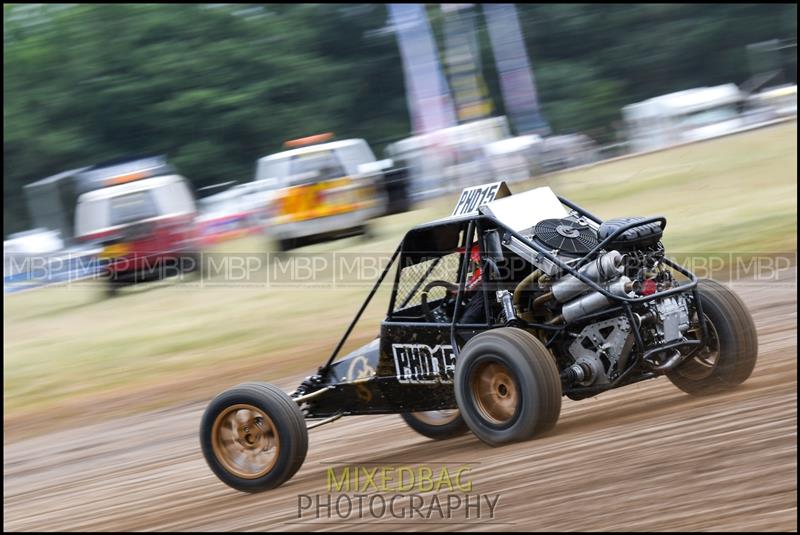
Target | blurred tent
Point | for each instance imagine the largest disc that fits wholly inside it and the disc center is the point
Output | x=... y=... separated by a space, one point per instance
x=51 y=202
x=687 y=115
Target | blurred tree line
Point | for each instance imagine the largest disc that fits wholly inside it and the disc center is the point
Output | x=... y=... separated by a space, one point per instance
x=216 y=86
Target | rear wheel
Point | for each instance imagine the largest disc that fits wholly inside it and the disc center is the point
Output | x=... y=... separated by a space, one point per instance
x=507 y=386
x=253 y=437
x=438 y=425
x=732 y=348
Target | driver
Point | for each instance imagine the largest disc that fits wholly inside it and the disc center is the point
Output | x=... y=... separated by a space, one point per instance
x=473 y=310
x=473 y=306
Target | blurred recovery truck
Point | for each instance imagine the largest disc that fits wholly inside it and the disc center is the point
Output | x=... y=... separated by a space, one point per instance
x=142 y=214
x=328 y=189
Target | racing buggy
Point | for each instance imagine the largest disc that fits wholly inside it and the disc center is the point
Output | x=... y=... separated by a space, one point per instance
x=496 y=312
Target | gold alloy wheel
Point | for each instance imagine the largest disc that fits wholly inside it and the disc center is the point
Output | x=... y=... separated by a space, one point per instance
x=435 y=418
x=495 y=392
x=245 y=441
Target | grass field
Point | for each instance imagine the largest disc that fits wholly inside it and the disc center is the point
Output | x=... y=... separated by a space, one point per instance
x=67 y=347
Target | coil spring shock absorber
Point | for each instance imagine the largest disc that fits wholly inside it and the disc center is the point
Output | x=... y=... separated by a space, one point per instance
x=579 y=373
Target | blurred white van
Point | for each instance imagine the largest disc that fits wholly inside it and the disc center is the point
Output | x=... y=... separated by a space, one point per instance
x=321 y=189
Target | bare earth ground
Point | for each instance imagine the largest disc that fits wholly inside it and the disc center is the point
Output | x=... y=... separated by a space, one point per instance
x=645 y=457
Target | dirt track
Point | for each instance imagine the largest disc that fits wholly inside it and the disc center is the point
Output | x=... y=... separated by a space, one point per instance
x=645 y=457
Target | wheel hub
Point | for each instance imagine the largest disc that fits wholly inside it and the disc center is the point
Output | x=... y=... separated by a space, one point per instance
x=245 y=441
x=495 y=392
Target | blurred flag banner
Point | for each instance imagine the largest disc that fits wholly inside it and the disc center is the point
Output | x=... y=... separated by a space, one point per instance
x=463 y=63
x=429 y=101
x=516 y=78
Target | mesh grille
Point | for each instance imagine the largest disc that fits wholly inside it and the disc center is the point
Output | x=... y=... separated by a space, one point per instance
x=414 y=278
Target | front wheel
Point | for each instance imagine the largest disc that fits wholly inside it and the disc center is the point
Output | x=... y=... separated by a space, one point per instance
x=253 y=437
x=507 y=386
x=438 y=425
x=731 y=351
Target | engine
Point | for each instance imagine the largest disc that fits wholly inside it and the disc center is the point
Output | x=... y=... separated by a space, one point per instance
x=596 y=342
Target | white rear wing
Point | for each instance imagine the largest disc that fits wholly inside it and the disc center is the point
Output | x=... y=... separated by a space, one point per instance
x=524 y=210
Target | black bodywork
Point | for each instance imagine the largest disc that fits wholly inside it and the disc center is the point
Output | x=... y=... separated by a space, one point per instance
x=371 y=380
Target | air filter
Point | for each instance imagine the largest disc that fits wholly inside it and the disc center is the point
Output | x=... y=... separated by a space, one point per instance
x=568 y=236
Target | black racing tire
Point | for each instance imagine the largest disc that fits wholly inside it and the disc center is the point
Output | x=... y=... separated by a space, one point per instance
x=507 y=386
x=286 y=423
x=112 y=289
x=113 y=285
x=366 y=231
x=287 y=244
x=193 y=262
x=425 y=423
x=733 y=332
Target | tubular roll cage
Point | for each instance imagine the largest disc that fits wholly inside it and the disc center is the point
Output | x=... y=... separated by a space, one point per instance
x=625 y=303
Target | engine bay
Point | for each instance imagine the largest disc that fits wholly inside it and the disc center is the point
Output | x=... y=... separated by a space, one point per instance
x=591 y=335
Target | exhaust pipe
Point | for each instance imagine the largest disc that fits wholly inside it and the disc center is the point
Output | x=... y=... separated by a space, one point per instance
x=605 y=268
x=669 y=364
x=595 y=301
